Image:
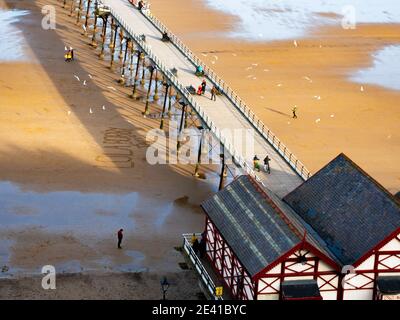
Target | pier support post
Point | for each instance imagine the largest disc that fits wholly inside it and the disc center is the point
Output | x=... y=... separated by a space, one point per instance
x=146 y=109
x=78 y=15
x=156 y=97
x=142 y=82
x=94 y=43
x=122 y=79
x=197 y=167
x=71 y=13
x=131 y=53
x=166 y=84
x=170 y=102
x=121 y=38
x=178 y=146
x=104 y=33
x=113 y=46
x=222 y=174
x=134 y=93
x=87 y=16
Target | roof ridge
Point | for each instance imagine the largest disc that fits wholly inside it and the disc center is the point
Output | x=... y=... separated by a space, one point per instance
x=278 y=210
x=368 y=176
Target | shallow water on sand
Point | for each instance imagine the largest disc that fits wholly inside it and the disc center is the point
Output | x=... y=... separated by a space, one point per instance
x=93 y=218
x=385 y=70
x=11 y=39
x=265 y=20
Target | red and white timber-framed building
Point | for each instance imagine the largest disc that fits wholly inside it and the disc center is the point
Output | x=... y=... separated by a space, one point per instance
x=337 y=236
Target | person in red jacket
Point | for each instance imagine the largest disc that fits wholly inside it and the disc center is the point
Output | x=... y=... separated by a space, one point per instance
x=120 y=236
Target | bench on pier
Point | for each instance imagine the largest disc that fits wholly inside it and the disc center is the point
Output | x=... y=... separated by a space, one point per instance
x=191 y=89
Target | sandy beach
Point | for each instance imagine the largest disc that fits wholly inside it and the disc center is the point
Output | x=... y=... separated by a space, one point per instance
x=274 y=76
x=63 y=194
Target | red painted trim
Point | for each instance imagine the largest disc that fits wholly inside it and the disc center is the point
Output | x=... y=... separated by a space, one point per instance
x=377 y=247
x=304 y=245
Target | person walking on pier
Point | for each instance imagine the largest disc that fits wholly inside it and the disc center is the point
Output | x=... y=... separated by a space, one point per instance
x=294 y=112
x=120 y=235
x=203 y=86
x=214 y=93
x=266 y=164
x=256 y=163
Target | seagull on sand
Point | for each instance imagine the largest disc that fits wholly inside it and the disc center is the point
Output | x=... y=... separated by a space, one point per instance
x=84 y=82
x=77 y=78
x=295 y=43
x=90 y=76
x=362 y=89
x=112 y=88
x=90 y=110
x=103 y=107
x=317 y=97
x=318 y=120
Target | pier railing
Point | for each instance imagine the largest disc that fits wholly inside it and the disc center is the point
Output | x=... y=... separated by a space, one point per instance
x=263 y=130
x=205 y=277
x=188 y=97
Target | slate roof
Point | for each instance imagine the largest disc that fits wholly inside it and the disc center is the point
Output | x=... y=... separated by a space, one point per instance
x=300 y=289
x=251 y=224
x=350 y=211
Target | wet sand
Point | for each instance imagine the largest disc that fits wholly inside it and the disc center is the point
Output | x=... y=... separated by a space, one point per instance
x=273 y=77
x=53 y=149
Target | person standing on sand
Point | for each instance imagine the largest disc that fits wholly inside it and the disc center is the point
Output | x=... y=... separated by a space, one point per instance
x=120 y=236
x=214 y=93
x=294 y=112
x=72 y=52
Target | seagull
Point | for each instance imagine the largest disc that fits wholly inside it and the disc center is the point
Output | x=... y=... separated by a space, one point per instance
x=295 y=43
x=307 y=78
x=65 y=48
x=77 y=78
x=254 y=64
x=332 y=115
x=266 y=70
x=318 y=120
x=279 y=85
x=204 y=55
x=112 y=88
x=104 y=107
x=216 y=58
x=90 y=110
x=83 y=27
x=84 y=82
x=362 y=89
x=249 y=68
x=90 y=76
x=317 y=97
x=250 y=76
x=69 y=112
